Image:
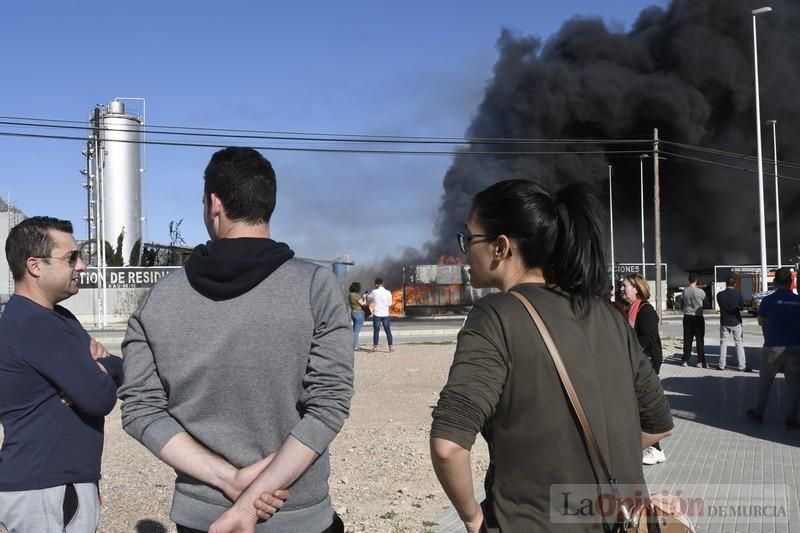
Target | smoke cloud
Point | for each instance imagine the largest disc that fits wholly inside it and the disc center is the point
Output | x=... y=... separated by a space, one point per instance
x=686 y=70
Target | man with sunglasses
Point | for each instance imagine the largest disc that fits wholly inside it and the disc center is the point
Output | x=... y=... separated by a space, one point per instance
x=56 y=386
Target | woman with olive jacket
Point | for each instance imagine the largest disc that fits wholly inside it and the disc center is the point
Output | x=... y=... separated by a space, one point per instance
x=502 y=382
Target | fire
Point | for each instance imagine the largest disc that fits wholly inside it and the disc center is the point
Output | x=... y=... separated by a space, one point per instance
x=397 y=303
x=419 y=295
x=450 y=260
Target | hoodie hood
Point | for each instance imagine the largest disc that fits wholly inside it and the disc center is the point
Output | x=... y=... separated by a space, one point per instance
x=226 y=268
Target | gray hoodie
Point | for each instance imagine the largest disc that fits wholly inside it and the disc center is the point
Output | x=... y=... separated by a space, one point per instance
x=241 y=374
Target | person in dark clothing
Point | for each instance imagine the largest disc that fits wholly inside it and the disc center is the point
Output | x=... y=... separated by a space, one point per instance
x=694 y=325
x=56 y=386
x=730 y=304
x=548 y=248
x=643 y=318
x=779 y=317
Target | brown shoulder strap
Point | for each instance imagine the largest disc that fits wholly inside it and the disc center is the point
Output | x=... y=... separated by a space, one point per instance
x=565 y=381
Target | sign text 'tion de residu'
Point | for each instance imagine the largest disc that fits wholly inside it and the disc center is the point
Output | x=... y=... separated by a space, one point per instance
x=124 y=277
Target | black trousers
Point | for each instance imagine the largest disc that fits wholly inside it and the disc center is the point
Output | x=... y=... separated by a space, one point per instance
x=694 y=327
x=336 y=527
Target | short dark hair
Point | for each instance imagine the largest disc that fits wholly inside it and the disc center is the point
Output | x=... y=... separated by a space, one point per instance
x=245 y=183
x=562 y=233
x=31 y=238
x=783 y=277
x=355 y=287
x=730 y=281
x=692 y=277
x=378 y=281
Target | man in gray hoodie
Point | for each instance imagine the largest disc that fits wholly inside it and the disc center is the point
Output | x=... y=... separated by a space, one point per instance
x=239 y=367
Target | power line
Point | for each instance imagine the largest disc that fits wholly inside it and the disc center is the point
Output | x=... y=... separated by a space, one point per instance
x=293 y=136
x=735 y=155
x=333 y=150
x=307 y=136
x=717 y=163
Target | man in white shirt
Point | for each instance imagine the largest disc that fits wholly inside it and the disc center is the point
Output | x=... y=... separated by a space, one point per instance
x=380 y=314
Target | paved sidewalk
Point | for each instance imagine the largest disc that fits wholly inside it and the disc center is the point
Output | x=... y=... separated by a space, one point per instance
x=717 y=453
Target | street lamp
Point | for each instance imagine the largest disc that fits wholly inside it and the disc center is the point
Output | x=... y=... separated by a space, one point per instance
x=611 y=219
x=777 y=200
x=641 y=192
x=762 y=224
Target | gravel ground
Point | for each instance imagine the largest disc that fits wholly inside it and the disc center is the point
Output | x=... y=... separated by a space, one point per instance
x=381 y=477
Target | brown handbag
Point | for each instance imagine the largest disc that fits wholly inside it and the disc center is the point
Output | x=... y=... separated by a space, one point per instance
x=658 y=514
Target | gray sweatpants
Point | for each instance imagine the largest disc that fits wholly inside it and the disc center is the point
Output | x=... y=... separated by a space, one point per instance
x=42 y=511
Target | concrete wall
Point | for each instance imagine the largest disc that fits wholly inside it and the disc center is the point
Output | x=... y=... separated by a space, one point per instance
x=120 y=304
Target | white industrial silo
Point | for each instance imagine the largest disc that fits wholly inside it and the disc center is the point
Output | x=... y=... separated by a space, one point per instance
x=114 y=184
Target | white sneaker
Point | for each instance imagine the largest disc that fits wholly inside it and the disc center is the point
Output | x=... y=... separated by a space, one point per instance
x=651 y=456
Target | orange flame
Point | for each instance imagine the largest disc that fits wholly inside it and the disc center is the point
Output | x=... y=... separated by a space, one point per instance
x=418 y=294
x=397 y=303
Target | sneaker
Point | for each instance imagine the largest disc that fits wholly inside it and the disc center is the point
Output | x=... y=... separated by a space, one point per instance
x=374 y=348
x=752 y=415
x=746 y=369
x=684 y=364
x=391 y=349
x=717 y=367
x=652 y=456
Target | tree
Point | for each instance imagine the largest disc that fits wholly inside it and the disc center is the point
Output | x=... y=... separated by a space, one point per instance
x=135 y=253
x=114 y=258
x=175 y=240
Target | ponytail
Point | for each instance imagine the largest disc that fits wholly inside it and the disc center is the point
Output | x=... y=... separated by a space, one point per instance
x=561 y=233
x=578 y=264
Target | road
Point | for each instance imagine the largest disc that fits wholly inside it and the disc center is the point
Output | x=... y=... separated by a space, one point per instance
x=445 y=329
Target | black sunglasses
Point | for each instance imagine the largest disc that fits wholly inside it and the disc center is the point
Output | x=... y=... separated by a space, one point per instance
x=71 y=259
x=465 y=238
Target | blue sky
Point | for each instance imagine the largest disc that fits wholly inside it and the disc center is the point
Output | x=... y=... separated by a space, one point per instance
x=378 y=68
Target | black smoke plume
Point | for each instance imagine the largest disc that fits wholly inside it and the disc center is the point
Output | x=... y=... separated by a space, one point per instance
x=687 y=70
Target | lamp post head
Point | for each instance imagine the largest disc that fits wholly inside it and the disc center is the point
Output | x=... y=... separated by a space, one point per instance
x=765 y=9
x=644 y=156
x=771 y=122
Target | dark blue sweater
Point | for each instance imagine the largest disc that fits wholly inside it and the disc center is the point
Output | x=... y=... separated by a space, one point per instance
x=44 y=353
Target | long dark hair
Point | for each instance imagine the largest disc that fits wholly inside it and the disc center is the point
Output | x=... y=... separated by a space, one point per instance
x=560 y=233
x=355 y=287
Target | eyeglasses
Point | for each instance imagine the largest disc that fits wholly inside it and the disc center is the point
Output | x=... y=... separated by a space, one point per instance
x=71 y=258
x=465 y=238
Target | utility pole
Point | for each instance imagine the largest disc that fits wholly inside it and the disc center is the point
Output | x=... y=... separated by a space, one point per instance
x=777 y=197
x=611 y=220
x=657 y=210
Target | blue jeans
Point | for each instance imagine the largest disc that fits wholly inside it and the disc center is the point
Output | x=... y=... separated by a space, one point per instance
x=358 y=321
x=376 y=329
